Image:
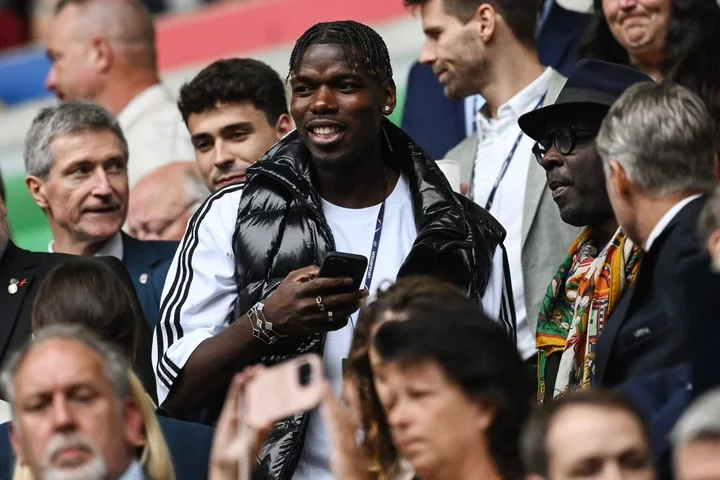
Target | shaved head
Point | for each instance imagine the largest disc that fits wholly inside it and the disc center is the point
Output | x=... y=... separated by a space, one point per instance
x=101 y=51
x=126 y=24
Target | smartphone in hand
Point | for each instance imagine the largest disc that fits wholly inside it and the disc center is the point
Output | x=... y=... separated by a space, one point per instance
x=349 y=265
x=283 y=390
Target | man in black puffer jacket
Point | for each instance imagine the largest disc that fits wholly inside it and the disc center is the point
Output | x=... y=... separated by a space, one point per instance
x=346 y=180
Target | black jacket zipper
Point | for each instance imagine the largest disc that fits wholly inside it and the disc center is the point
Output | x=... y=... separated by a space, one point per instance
x=328 y=233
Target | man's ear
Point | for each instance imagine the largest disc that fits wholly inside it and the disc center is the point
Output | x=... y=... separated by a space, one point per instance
x=36 y=187
x=283 y=125
x=134 y=424
x=619 y=180
x=101 y=55
x=485 y=21
x=15 y=443
x=714 y=249
x=389 y=99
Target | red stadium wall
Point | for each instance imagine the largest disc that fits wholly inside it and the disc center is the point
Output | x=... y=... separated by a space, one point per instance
x=226 y=29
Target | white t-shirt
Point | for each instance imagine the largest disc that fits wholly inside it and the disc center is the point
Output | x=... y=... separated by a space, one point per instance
x=201 y=290
x=353 y=230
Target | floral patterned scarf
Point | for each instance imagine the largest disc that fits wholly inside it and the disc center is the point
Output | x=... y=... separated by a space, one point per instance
x=578 y=302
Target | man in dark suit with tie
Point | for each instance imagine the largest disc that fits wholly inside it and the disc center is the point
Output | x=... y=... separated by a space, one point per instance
x=657 y=144
x=76 y=160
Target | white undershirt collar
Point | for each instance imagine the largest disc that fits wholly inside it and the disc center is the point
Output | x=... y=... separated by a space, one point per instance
x=666 y=219
x=112 y=248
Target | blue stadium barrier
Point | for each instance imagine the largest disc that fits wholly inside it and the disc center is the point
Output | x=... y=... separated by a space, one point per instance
x=22 y=76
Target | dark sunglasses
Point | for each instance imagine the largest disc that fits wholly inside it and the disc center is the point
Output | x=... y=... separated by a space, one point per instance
x=565 y=140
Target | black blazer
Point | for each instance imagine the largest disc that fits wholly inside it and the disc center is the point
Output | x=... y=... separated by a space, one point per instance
x=148 y=263
x=652 y=326
x=29 y=269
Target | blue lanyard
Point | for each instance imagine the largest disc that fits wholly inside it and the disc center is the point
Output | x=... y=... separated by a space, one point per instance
x=376 y=238
x=505 y=165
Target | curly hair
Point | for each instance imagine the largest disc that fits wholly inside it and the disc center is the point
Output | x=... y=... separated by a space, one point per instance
x=402 y=300
x=235 y=80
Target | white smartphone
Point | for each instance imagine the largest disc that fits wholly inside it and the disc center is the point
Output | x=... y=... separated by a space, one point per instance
x=278 y=392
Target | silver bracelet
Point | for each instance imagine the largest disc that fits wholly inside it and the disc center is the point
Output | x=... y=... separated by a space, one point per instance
x=262 y=329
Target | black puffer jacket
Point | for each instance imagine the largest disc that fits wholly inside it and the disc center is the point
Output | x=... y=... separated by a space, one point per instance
x=281 y=228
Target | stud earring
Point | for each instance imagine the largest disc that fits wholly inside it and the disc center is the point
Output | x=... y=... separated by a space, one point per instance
x=387 y=108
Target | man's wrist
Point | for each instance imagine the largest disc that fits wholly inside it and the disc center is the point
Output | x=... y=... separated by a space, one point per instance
x=262 y=329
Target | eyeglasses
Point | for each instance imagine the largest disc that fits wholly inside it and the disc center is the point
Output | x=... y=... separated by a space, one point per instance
x=565 y=140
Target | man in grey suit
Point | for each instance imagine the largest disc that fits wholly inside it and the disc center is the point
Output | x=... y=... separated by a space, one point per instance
x=487 y=47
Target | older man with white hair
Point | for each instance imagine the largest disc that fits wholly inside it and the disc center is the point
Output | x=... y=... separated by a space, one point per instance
x=74 y=413
x=657 y=144
x=696 y=440
x=76 y=158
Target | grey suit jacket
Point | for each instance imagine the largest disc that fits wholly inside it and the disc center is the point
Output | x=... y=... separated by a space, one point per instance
x=546 y=238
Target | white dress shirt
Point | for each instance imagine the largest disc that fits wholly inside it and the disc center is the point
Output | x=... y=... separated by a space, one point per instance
x=155 y=132
x=496 y=137
x=473 y=104
x=666 y=219
x=113 y=248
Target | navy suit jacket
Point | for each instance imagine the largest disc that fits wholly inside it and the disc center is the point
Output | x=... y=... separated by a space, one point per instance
x=662 y=396
x=658 y=321
x=437 y=123
x=558 y=39
x=433 y=121
x=148 y=263
x=189 y=445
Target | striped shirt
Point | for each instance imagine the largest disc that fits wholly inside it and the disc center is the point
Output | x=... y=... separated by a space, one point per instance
x=200 y=292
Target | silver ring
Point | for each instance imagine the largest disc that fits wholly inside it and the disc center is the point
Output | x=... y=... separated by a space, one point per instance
x=330 y=316
x=320 y=305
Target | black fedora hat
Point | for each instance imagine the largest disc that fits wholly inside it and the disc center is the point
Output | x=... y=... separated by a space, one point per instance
x=590 y=90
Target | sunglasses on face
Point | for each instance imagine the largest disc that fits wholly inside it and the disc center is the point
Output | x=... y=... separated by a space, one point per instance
x=565 y=140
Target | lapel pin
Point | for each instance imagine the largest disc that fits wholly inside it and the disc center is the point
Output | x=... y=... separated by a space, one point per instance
x=15 y=284
x=144 y=278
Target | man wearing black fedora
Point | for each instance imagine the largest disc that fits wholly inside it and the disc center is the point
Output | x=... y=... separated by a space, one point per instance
x=602 y=262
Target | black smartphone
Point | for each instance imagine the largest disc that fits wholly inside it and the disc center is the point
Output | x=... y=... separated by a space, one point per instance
x=340 y=264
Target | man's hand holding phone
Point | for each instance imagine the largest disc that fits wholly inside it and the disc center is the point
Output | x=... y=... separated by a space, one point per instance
x=304 y=303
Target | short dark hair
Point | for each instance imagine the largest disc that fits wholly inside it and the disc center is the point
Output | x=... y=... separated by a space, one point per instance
x=476 y=354
x=520 y=15
x=363 y=47
x=235 y=80
x=536 y=458
x=85 y=291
